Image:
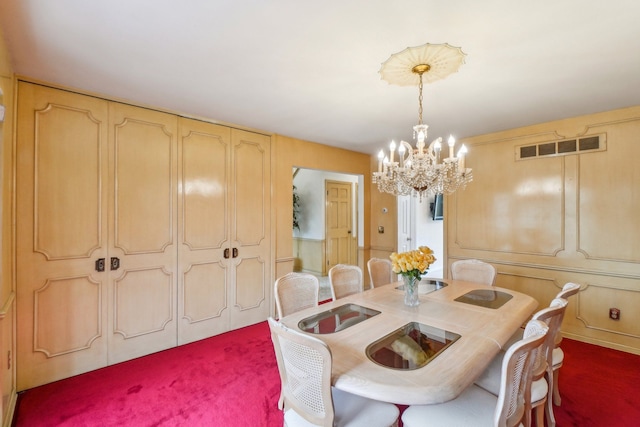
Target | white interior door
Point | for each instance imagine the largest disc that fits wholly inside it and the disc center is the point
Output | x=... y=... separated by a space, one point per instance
x=406 y=223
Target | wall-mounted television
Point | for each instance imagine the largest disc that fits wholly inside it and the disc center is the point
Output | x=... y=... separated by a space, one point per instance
x=436 y=207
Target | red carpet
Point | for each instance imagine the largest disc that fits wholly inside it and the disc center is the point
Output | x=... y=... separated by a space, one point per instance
x=599 y=387
x=232 y=380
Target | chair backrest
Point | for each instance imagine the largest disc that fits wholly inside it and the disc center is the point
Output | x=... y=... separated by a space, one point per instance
x=381 y=272
x=517 y=373
x=552 y=316
x=473 y=270
x=568 y=290
x=296 y=291
x=345 y=280
x=304 y=363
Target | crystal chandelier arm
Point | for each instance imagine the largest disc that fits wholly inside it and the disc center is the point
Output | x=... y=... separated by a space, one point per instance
x=435 y=149
x=408 y=153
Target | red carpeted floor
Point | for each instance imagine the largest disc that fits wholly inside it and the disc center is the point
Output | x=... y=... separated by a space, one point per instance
x=232 y=380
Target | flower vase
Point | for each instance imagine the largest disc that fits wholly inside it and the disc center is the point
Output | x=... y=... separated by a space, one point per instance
x=411 y=290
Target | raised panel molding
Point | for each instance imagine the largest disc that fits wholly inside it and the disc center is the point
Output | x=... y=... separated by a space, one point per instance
x=250 y=292
x=492 y=219
x=542 y=288
x=594 y=299
x=54 y=216
x=607 y=223
x=142 y=214
x=78 y=298
x=250 y=174
x=209 y=300
x=154 y=287
x=204 y=155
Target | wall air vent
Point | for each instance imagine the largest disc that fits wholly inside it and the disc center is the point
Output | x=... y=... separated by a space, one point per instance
x=559 y=148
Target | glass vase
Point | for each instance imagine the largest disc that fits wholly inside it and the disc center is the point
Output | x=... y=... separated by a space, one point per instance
x=411 y=290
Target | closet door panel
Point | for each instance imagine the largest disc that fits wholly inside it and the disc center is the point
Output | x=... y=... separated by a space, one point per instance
x=143 y=186
x=205 y=293
x=61 y=231
x=250 y=230
x=204 y=218
x=143 y=176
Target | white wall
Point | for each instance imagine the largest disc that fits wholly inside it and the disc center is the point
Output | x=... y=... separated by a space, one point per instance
x=310 y=186
x=430 y=233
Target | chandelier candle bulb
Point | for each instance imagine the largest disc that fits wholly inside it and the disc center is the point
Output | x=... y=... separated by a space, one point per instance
x=380 y=158
x=401 y=151
x=392 y=149
x=437 y=147
x=461 y=154
x=451 y=143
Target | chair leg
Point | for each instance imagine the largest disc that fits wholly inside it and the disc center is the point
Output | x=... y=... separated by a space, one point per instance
x=540 y=414
x=556 y=390
x=551 y=419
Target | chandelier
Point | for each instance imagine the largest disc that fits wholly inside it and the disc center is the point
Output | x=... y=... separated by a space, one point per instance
x=422 y=170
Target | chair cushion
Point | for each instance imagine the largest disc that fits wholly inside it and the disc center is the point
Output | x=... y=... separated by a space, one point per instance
x=352 y=411
x=557 y=357
x=490 y=378
x=539 y=390
x=474 y=407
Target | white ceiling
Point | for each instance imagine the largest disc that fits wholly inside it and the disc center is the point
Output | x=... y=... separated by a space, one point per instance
x=309 y=69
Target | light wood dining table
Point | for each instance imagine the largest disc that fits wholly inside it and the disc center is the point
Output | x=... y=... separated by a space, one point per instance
x=483 y=333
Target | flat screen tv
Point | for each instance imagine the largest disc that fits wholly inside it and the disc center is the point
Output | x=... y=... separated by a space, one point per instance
x=436 y=208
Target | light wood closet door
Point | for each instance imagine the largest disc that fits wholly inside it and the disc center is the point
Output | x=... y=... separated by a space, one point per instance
x=96 y=182
x=61 y=202
x=204 y=218
x=143 y=231
x=225 y=234
x=250 y=200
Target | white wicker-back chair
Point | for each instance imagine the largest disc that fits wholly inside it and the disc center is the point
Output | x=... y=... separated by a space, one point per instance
x=380 y=272
x=345 y=280
x=476 y=406
x=304 y=363
x=569 y=289
x=296 y=291
x=473 y=270
x=541 y=386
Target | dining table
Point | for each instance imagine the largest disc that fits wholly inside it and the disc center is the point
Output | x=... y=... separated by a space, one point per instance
x=385 y=350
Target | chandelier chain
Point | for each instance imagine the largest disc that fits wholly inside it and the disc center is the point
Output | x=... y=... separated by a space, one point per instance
x=420 y=100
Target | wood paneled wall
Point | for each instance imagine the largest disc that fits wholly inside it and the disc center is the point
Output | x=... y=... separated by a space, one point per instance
x=288 y=152
x=7 y=288
x=551 y=219
x=384 y=213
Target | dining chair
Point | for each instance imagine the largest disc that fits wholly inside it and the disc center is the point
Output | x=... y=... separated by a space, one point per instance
x=307 y=397
x=345 y=280
x=568 y=290
x=542 y=380
x=296 y=291
x=380 y=272
x=473 y=270
x=476 y=406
